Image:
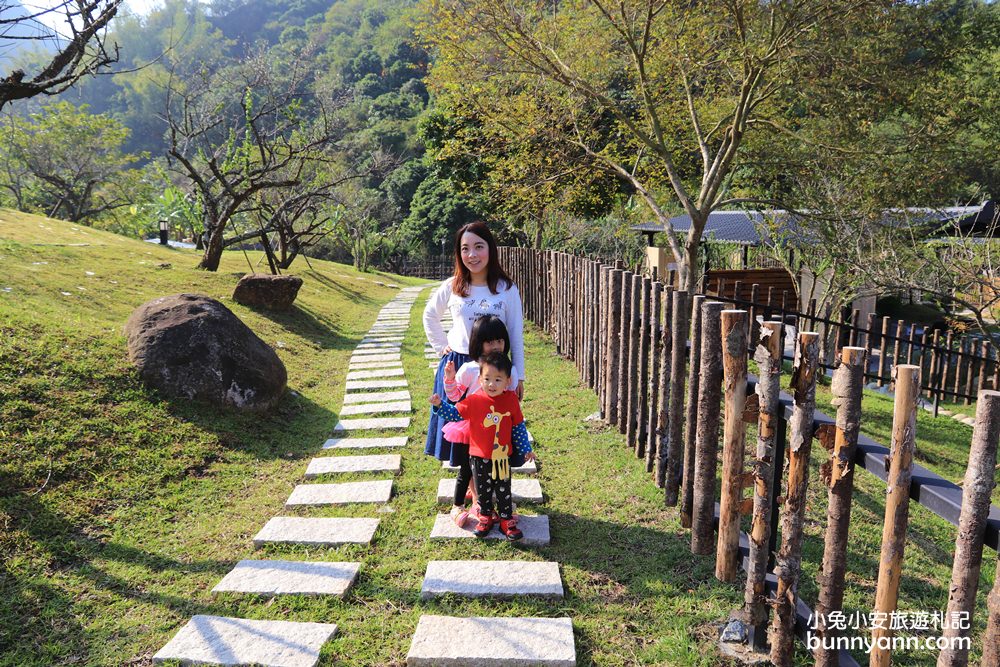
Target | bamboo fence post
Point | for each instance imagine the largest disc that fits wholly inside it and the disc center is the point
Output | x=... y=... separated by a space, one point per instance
x=932 y=377
x=689 y=406
x=593 y=309
x=613 y=359
x=976 y=489
x=653 y=387
x=604 y=328
x=838 y=474
x=897 y=342
x=669 y=449
x=632 y=377
x=911 y=343
x=971 y=373
x=788 y=565
x=897 y=504
x=991 y=638
x=870 y=335
x=624 y=332
x=707 y=436
x=754 y=312
x=642 y=375
x=957 y=385
x=767 y=354
x=984 y=366
x=733 y=341
x=948 y=342
x=659 y=402
x=881 y=352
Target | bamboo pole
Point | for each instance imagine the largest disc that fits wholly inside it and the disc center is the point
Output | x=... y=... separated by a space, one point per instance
x=897 y=505
x=733 y=341
x=664 y=425
x=680 y=448
x=632 y=377
x=881 y=351
x=897 y=342
x=707 y=436
x=604 y=327
x=642 y=377
x=624 y=333
x=767 y=354
x=613 y=359
x=976 y=489
x=754 y=312
x=838 y=474
x=948 y=354
x=788 y=565
x=656 y=302
x=971 y=373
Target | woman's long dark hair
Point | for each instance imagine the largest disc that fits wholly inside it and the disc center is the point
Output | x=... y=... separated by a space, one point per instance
x=494 y=272
x=485 y=329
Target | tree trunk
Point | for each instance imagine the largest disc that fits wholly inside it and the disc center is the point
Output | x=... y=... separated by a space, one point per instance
x=213 y=248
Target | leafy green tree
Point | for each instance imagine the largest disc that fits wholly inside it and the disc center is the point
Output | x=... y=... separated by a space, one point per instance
x=72 y=165
x=682 y=84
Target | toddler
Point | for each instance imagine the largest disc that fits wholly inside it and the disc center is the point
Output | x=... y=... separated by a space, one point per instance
x=496 y=432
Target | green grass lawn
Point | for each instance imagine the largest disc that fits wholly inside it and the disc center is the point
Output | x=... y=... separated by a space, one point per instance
x=120 y=510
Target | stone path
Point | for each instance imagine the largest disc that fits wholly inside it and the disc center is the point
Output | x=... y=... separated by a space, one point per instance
x=376 y=385
x=375 y=366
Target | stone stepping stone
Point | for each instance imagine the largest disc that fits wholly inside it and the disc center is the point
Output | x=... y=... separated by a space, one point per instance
x=218 y=640
x=528 y=468
x=433 y=364
x=372 y=423
x=374 y=408
x=365 y=443
x=327 y=532
x=368 y=358
x=377 y=348
x=370 y=375
x=377 y=396
x=499 y=578
x=328 y=465
x=363 y=355
x=535 y=529
x=492 y=642
x=522 y=490
x=287 y=577
x=364 y=385
x=381 y=339
x=370 y=365
x=340 y=494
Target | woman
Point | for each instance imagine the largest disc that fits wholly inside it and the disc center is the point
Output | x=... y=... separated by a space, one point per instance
x=479 y=287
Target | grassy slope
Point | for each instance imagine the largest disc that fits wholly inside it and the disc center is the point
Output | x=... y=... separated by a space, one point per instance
x=150 y=502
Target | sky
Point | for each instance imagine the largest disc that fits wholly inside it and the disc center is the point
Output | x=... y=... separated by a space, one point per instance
x=54 y=20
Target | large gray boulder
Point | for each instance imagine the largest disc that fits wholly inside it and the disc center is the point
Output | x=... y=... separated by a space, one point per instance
x=192 y=346
x=262 y=290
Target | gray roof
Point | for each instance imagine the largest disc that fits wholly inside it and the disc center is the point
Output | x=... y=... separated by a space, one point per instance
x=745 y=226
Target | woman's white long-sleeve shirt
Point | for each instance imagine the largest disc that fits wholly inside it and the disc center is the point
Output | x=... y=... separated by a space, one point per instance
x=465 y=310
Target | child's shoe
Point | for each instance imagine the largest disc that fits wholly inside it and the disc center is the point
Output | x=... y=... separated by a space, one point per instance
x=460 y=516
x=509 y=528
x=484 y=526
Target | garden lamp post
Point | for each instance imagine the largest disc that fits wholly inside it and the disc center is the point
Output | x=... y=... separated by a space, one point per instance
x=164 y=228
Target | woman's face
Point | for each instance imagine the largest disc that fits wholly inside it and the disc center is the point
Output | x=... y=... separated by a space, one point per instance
x=492 y=346
x=475 y=253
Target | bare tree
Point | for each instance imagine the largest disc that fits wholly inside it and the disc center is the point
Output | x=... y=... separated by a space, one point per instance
x=244 y=129
x=72 y=36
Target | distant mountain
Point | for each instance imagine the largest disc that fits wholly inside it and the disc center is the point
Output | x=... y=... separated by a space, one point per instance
x=14 y=42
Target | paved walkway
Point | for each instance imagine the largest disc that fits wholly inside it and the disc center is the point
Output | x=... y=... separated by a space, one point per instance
x=376 y=395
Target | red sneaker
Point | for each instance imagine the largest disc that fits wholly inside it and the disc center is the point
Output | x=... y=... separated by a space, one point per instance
x=509 y=528
x=484 y=526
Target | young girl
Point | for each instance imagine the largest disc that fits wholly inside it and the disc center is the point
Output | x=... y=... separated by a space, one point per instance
x=479 y=287
x=488 y=335
x=496 y=433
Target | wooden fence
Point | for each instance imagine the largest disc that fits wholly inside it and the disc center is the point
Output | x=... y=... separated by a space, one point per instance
x=952 y=366
x=631 y=341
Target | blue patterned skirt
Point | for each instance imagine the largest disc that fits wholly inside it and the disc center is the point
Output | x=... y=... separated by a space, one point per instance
x=436 y=444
